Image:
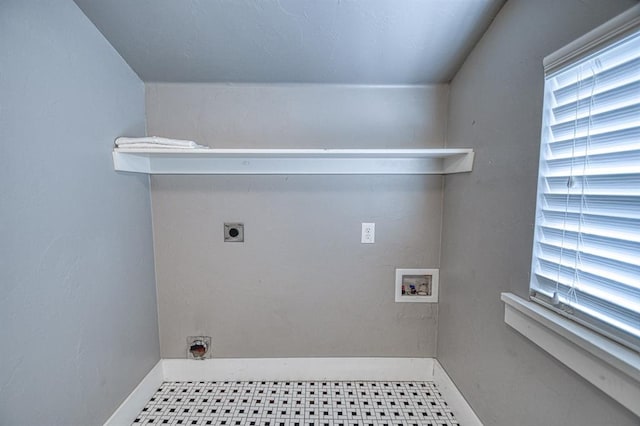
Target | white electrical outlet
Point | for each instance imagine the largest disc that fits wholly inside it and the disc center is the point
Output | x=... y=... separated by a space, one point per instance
x=368 y=233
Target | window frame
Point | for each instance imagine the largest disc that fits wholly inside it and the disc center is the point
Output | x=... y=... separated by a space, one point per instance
x=571 y=59
x=611 y=367
x=607 y=364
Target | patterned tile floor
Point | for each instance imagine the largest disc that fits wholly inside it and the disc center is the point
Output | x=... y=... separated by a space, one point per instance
x=294 y=403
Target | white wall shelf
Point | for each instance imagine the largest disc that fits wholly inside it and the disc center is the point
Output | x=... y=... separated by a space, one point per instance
x=293 y=161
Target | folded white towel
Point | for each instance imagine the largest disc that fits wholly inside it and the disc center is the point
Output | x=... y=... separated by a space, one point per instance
x=155 y=142
x=158 y=146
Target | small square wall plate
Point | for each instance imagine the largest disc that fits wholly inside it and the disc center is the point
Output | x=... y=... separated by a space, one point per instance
x=234 y=233
x=417 y=285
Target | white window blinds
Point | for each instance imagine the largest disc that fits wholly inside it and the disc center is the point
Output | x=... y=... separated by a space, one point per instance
x=586 y=257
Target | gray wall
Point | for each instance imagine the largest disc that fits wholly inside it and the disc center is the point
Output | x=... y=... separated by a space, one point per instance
x=78 y=322
x=301 y=284
x=495 y=108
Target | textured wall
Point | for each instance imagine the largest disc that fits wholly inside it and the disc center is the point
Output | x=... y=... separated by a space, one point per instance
x=301 y=284
x=78 y=322
x=495 y=108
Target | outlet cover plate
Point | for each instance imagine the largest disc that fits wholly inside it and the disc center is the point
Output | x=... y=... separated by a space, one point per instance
x=368 y=235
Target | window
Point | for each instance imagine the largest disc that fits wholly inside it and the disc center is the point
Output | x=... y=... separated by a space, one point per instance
x=586 y=255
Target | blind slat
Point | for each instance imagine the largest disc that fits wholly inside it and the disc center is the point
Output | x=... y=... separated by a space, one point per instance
x=606 y=291
x=626 y=251
x=609 y=313
x=605 y=102
x=625 y=185
x=623 y=118
x=625 y=274
x=625 y=135
x=613 y=163
x=608 y=60
x=591 y=229
x=623 y=73
x=623 y=141
x=595 y=205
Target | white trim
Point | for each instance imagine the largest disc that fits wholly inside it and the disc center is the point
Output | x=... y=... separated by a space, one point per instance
x=607 y=33
x=608 y=365
x=401 y=369
x=126 y=413
x=461 y=408
x=293 y=161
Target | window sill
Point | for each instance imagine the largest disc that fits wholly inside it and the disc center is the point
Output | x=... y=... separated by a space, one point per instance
x=608 y=365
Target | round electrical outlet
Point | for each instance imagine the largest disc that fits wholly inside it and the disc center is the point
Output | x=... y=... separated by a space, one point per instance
x=234 y=232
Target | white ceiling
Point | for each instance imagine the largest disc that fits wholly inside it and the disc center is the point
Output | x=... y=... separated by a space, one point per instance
x=293 y=41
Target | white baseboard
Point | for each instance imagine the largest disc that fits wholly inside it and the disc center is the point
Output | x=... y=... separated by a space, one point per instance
x=135 y=402
x=461 y=408
x=378 y=369
x=401 y=369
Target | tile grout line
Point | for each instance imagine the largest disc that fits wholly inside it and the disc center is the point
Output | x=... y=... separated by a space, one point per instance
x=393 y=399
